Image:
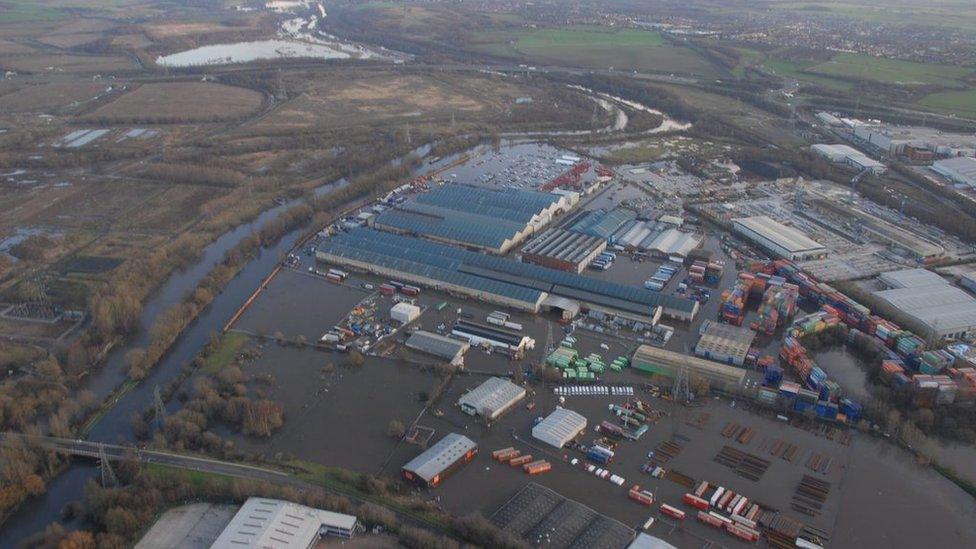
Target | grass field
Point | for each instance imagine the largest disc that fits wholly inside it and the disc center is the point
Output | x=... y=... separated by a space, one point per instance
x=791 y=69
x=594 y=47
x=55 y=95
x=962 y=103
x=230 y=343
x=893 y=71
x=47 y=63
x=19 y=11
x=182 y=100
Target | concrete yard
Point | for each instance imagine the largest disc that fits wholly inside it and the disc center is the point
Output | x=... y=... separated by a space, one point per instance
x=192 y=526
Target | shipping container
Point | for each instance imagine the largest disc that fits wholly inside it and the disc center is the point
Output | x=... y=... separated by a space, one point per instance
x=672 y=512
x=695 y=501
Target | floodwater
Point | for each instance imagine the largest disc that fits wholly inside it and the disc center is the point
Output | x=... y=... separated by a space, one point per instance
x=245 y=52
x=846 y=369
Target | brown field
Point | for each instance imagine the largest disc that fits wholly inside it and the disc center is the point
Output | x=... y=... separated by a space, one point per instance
x=8 y=47
x=371 y=99
x=66 y=41
x=132 y=41
x=99 y=204
x=50 y=96
x=174 y=209
x=47 y=63
x=162 y=31
x=182 y=100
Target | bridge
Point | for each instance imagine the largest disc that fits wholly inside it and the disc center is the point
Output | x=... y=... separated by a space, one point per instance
x=113 y=452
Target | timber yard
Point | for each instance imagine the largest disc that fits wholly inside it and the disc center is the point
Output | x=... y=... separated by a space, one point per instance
x=620 y=364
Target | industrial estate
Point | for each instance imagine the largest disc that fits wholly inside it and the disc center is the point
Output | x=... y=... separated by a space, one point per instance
x=301 y=274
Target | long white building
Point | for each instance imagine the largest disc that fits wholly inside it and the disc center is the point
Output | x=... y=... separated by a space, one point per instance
x=278 y=524
x=960 y=170
x=779 y=239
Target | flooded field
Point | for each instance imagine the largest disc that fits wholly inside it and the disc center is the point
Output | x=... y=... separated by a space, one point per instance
x=846 y=369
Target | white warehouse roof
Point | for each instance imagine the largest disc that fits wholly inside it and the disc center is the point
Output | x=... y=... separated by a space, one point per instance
x=786 y=237
x=675 y=242
x=911 y=278
x=943 y=309
x=560 y=427
x=274 y=523
x=492 y=397
x=961 y=169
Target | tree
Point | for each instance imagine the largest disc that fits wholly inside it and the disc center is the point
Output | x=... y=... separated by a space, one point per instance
x=356 y=358
x=395 y=429
x=279 y=337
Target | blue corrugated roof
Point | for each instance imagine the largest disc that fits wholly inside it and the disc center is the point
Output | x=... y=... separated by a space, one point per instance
x=497 y=275
x=511 y=204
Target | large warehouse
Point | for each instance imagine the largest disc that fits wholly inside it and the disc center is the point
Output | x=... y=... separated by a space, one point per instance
x=960 y=170
x=783 y=241
x=944 y=310
x=493 y=279
x=560 y=427
x=563 y=250
x=278 y=524
x=492 y=398
x=845 y=154
x=724 y=342
x=666 y=363
x=484 y=219
x=437 y=345
x=440 y=460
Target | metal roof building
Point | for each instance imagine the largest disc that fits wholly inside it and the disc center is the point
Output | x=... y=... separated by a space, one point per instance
x=944 y=310
x=487 y=219
x=675 y=243
x=560 y=427
x=437 y=462
x=435 y=344
x=911 y=278
x=960 y=169
x=278 y=524
x=603 y=223
x=785 y=242
x=490 y=278
x=492 y=398
x=724 y=342
x=666 y=363
x=563 y=250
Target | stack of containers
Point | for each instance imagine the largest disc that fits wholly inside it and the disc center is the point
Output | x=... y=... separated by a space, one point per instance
x=788 y=391
x=885 y=331
x=851 y=409
x=827 y=410
x=926 y=389
x=816 y=378
x=619 y=363
x=562 y=357
x=830 y=391
x=774 y=375
x=767 y=396
x=934 y=362
x=734 y=300
x=947 y=390
x=965 y=379
x=889 y=368
x=697 y=271
x=713 y=271
x=909 y=344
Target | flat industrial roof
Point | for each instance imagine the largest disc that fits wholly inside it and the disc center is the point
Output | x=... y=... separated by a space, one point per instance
x=278 y=524
x=440 y=456
x=563 y=245
x=436 y=344
x=943 y=309
x=673 y=361
x=787 y=237
x=911 y=278
x=561 y=424
x=494 y=394
x=725 y=339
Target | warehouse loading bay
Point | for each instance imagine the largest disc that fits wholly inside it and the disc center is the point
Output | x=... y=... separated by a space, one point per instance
x=816 y=482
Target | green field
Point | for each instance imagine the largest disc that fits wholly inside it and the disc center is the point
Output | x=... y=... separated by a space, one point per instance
x=594 y=47
x=791 y=69
x=230 y=343
x=20 y=11
x=962 y=103
x=891 y=71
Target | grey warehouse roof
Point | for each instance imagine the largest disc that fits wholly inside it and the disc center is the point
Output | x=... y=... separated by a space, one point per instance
x=511 y=204
x=491 y=274
x=559 y=426
x=440 y=456
x=436 y=344
x=725 y=339
x=774 y=231
x=943 y=309
x=274 y=523
x=603 y=223
x=563 y=245
x=911 y=278
x=493 y=395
